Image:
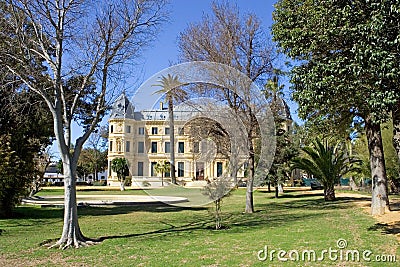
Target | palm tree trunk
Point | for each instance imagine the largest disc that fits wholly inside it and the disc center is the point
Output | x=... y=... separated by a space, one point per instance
x=171 y=137
x=380 y=200
x=329 y=192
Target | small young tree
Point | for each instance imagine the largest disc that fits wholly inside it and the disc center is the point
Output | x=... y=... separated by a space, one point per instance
x=327 y=163
x=216 y=190
x=163 y=167
x=120 y=166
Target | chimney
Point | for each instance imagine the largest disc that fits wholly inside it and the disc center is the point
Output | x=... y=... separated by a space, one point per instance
x=161 y=105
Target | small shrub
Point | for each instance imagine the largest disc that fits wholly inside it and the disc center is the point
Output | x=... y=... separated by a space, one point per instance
x=100 y=183
x=216 y=190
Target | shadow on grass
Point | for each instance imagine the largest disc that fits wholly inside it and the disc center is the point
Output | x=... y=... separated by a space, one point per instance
x=233 y=223
x=150 y=207
x=171 y=229
x=384 y=228
x=395 y=205
x=312 y=204
x=32 y=212
x=295 y=194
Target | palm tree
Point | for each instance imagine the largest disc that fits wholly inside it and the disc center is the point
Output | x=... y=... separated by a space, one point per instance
x=162 y=168
x=327 y=163
x=170 y=87
x=120 y=166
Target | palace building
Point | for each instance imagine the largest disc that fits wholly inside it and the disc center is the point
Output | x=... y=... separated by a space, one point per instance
x=143 y=139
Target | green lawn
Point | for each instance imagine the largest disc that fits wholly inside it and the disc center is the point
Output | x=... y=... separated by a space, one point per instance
x=175 y=236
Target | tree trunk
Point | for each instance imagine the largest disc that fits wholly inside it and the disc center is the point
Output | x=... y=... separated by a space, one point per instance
x=35 y=186
x=349 y=146
x=233 y=163
x=276 y=192
x=234 y=177
x=171 y=138
x=280 y=188
x=396 y=130
x=380 y=199
x=122 y=185
x=71 y=234
x=249 y=189
x=234 y=170
x=353 y=185
x=5 y=209
x=217 y=214
x=329 y=192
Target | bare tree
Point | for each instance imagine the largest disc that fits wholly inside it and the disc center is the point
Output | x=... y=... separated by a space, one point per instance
x=239 y=42
x=87 y=40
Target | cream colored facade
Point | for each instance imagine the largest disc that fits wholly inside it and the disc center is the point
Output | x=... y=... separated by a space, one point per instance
x=142 y=138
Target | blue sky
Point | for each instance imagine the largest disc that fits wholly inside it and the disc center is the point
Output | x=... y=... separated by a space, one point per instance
x=164 y=50
x=184 y=12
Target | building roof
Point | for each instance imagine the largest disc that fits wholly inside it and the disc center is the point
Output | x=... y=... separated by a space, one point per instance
x=284 y=111
x=122 y=108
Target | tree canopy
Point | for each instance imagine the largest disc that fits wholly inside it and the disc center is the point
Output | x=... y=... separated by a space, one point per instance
x=346 y=55
x=26 y=127
x=346 y=64
x=120 y=166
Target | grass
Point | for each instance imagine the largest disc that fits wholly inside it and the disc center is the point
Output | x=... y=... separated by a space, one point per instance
x=158 y=235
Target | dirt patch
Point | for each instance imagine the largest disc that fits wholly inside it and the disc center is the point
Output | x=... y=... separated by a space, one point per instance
x=56 y=259
x=364 y=201
x=388 y=223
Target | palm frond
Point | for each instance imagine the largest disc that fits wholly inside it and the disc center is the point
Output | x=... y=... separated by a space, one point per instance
x=170 y=85
x=325 y=161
